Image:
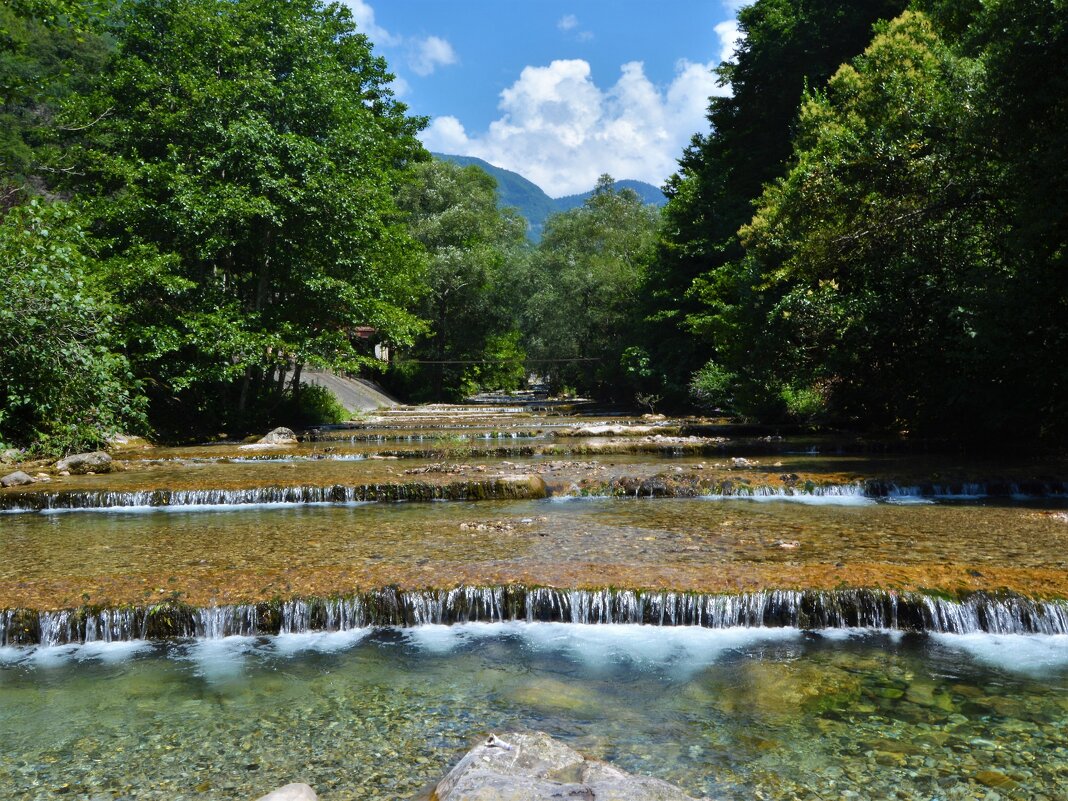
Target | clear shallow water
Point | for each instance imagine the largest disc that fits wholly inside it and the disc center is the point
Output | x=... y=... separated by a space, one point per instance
x=736 y=714
x=252 y=553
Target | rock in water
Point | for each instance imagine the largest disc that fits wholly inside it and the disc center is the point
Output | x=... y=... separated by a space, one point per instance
x=291 y=792
x=535 y=767
x=278 y=438
x=81 y=463
x=16 y=479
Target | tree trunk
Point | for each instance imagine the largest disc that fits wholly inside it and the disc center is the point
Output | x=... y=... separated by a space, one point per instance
x=294 y=385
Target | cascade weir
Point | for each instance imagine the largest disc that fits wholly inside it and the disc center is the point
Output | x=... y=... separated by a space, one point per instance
x=332 y=533
x=742 y=614
x=877 y=610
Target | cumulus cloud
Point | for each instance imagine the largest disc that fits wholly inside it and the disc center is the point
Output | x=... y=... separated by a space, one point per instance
x=567 y=22
x=424 y=55
x=560 y=130
x=729 y=38
x=428 y=54
x=365 y=23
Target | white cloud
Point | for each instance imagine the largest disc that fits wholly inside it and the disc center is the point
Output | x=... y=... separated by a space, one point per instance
x=430 y=53
x=562 y=131
x=400 y=86
x=567 y=22
x=365 y=23
x=730 y=37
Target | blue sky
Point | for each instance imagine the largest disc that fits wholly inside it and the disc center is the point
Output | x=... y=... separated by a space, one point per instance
x=559 y=91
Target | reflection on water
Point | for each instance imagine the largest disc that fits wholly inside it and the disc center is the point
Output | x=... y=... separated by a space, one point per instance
x=736 y=714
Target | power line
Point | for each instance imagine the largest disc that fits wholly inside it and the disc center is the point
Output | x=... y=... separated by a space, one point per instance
x=496 y=361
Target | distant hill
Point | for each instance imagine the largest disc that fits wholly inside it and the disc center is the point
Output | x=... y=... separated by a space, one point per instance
x=531 y=201
x=647 y=192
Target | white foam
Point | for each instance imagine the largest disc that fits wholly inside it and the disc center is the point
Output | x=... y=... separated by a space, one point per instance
x=52 y=655
x=112 y=652
x=858 y=633
x=13 y=654
x=809 y=499
x=679 y=649
x=327 y=642
x=1031 y=654
x=219 y=660
x=199 y=507
x=436 y=638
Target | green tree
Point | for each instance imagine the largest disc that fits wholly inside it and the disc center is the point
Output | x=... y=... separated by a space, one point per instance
x=1023 y=45
x=48 y=52
x=584 y=284
x=786 y=46
x=240 y=160
x=472 y=250
x=65 y=387
x=880 y=255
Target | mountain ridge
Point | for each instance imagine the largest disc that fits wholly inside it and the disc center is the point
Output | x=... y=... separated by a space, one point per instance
x=532 y=202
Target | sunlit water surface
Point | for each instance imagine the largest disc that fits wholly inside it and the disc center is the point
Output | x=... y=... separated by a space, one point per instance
x=735 y=714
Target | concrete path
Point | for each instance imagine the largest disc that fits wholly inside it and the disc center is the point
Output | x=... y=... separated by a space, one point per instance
x=355 y=394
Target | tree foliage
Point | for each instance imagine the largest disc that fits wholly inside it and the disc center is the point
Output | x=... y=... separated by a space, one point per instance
x=239 y=161
x=66 y=387
x=583 y=288
x=471 y=248
x=785 y=47
x=913 y=250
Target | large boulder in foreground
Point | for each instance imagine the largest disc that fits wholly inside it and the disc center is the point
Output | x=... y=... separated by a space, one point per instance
x=81 y=463
x=535 y=767
x=291 y=792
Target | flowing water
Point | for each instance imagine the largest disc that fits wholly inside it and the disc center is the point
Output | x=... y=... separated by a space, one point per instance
x=746 y=617
x=382 y=713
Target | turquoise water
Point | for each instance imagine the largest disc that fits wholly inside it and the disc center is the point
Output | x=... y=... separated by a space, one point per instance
x=381 y=714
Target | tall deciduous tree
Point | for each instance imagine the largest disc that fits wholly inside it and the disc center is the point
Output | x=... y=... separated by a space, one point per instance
x=65 y=384
x=897 y=273
x=240 y=159
x=786 y=46
x=584 y=285
x=875 y=255
x=472 y=250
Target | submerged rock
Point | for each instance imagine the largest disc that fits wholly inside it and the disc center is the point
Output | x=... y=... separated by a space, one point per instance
x=127 y=442
x=16 y=479
x=535 y=767
x=291 y=792
x=79 y=464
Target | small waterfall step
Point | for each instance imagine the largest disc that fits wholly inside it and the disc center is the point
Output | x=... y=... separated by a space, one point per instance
x=522 y=486
x=867 y=609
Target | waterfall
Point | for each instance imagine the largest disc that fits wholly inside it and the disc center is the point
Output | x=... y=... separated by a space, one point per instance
x=215 y=622
x=57 y=628
x=815 y=610
x=511 y=487
x=113 y=625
